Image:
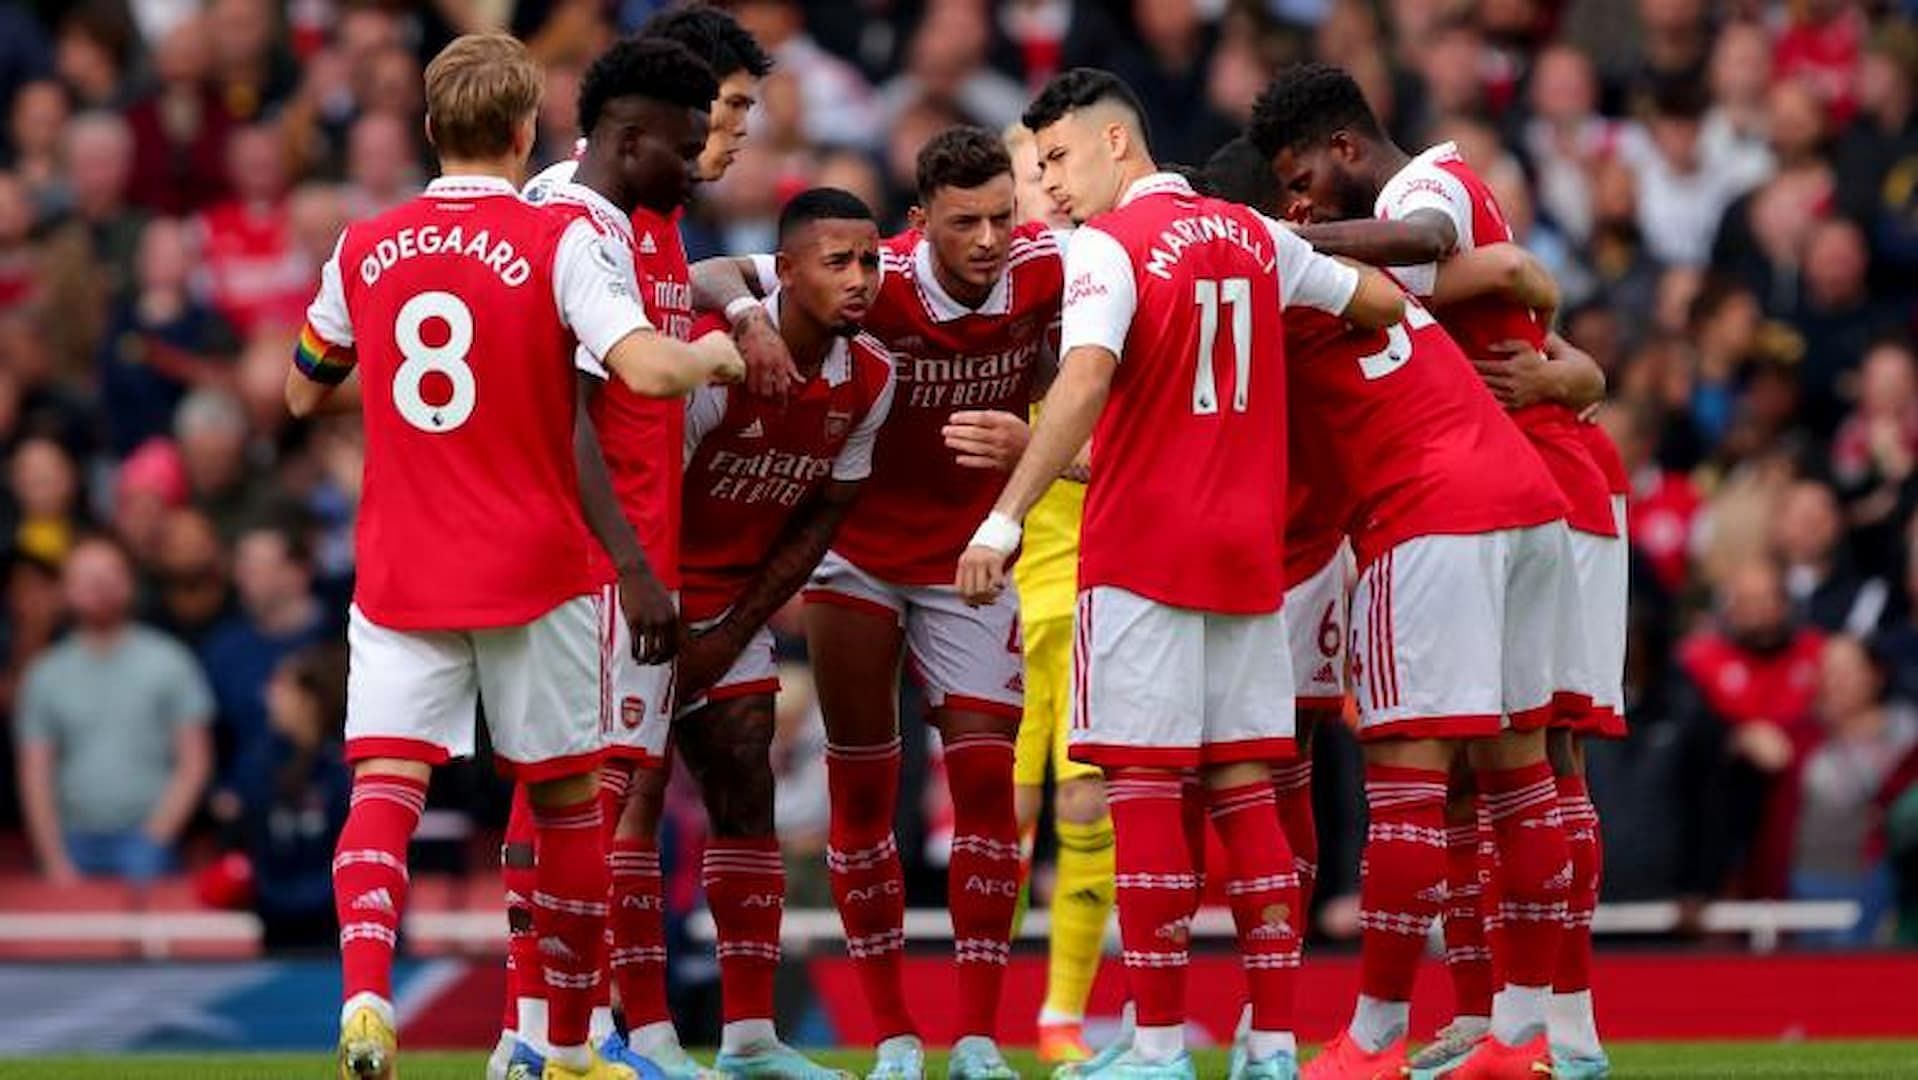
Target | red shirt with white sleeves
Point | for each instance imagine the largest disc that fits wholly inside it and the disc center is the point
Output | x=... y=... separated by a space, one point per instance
x=462 y=309
x=751 y=461
x=1411 y=434
x=917 y=512
x=1187 y=503
x=1439 y=179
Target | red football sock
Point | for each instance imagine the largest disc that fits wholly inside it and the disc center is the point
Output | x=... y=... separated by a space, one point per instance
x=523 y=977
x=615 y=785
x=1534 y=869
x=746 y=892
x=1574 y=971
x=1263 y=888
x=868 y=886
x=1192 y=805
x=569 y=910
x=369 y=878
x=1292 y=786
x=1403 y=877
x=982 y=883
x=1468 y=959
x=1490 y=917
x=638 y=925
x=1156 y=889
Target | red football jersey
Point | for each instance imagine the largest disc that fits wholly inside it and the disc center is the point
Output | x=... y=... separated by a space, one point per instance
x=1413 y=436
x=1318 y=504
x=1439 y=179
x=1188 y=494
x=463 y=308
x=918 y=510
x=1598 y=443
x=255 y=274
x=751 y=461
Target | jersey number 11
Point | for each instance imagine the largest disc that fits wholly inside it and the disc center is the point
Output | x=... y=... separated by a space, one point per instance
x=1210 y=294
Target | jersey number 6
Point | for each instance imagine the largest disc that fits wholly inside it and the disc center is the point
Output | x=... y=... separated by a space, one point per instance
x=447 y=359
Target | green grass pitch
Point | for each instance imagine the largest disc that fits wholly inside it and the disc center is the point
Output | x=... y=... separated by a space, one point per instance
x=1630 y=1061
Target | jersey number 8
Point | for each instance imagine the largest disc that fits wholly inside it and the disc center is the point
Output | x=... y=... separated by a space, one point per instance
x=447 y=359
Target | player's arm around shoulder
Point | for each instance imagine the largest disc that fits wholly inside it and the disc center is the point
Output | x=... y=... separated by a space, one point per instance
x=596 y=289
x=1310 y=278
x=1501 y=270
x=736 y=285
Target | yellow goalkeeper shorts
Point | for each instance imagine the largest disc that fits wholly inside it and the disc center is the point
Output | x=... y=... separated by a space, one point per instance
x=1048 y=711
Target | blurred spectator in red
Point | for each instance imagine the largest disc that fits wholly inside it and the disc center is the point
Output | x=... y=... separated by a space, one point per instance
x=1863 y=737
x=93 y=51
x=1826 y=587
x=180 y=127
x=90 y=256
x=189 y=572
x=1664 y=503
x=278 y=615
x=255 y=275
x=151 y=483
x=161 y=341
x=1757 y=673
x=1820 y=47
x=210 y=428
x=253 y=75
x=40 y=113
x=111 y=733
x=44 y=512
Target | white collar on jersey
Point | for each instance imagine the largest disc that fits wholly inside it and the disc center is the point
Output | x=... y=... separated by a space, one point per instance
x=838 y=366
x=940 y=304
x=470 y=186
x=602 y=207
x=1157 y=183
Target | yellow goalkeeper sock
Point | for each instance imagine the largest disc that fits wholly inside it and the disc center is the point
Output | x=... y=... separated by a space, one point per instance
x=1081 y=904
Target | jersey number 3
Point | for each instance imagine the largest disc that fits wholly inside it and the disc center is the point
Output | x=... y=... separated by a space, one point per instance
x=1210 y=295
x=447 y=359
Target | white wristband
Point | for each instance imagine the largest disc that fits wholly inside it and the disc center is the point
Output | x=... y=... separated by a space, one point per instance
x=740 y=308
x=999 y=532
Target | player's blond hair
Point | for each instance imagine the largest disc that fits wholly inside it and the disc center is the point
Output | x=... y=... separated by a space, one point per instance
x=478 y=90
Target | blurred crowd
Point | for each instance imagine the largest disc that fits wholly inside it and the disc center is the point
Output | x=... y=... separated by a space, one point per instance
x=1727 y=191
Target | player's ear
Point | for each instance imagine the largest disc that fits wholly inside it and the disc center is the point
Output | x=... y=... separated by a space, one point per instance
x=916 y=217
x=783 y=266
x=1117 y=140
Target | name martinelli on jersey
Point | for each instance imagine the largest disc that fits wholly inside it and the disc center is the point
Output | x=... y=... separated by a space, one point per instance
x=1204 y=229
x=410 y=242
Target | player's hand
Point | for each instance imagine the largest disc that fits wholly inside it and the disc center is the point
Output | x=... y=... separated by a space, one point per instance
x=987 y=438
x=721 y=356
x=770 y=371
x=1515 y=374
x=704 y=656
x=650 y=616
x=62 y=872
x=982 y=575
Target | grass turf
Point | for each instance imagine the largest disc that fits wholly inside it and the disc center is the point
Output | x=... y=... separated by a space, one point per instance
x=1630 y=1061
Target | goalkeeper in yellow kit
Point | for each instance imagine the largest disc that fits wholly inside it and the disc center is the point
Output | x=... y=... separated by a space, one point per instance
x=1047 y=575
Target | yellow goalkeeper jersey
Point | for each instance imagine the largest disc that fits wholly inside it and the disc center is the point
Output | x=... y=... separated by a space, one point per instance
x=1048 y=569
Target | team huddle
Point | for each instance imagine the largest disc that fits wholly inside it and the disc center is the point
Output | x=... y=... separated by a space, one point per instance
x=1300 y=412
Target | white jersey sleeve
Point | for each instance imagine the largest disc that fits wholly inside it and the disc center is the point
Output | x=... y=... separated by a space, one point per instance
x=540 y=188
x=854 y=462
x=705 y=408
x=1307 y=276
x=327 y=314
x=1423 y=186
x=766 y=273
x=593 y=286
x=1101 y=293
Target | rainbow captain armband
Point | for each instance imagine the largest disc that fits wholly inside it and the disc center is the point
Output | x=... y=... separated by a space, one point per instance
x=321 y=360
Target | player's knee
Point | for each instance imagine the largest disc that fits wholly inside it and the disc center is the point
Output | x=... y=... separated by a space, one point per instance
x=564 y=790
x=1080 y=801
x=1508 y=750
x=1566 y=752
x=1235 y=774
x=738 y=783
x=644 y=802
x=402 y=768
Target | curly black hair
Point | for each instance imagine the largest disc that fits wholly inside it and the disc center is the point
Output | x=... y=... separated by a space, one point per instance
x=714 y=36
x=1082 y=88
x=962 y=156
x=1238 y=173
x=1305 y=106
x=821 y=204
x=652 y=68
